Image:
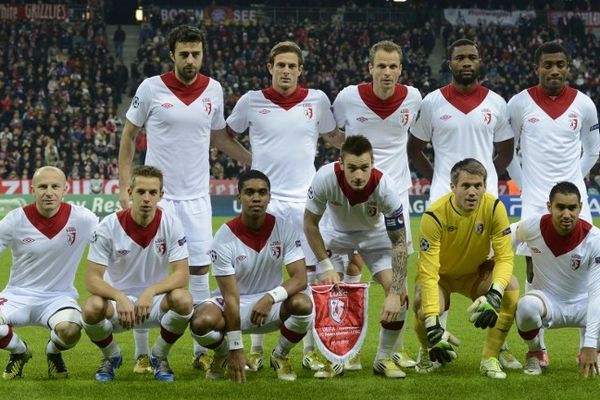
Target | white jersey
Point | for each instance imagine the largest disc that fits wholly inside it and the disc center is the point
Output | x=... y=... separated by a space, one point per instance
x=137 y=257
x=46 y=251
x=567 y=268
x=255 y=258
x=552 y=134
x=283 y=135
x=350 y=210
x=178 y=121
x=385 y=123
x=462 y=126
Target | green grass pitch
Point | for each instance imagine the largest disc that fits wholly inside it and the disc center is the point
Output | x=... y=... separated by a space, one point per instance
x=459 y=380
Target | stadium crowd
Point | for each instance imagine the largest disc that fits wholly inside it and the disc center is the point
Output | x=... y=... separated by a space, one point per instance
x=58 y=104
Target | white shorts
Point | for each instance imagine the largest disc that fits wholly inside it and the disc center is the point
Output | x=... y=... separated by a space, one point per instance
x=196 y=217
x=152 y=322
x=561 y=315
x=373 y=246
x=247 y=303
x=294 y=213
x=21 y=309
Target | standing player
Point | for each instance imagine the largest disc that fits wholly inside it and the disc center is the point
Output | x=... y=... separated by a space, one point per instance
x=136 y=248
x=285 y=122
x=463 y=120
x=565 y=290
x=455 y=237
x=382 y=111
x=47 y=239
x=182 y=112
x=556 y=128
x=365 y=214
x=248 y=253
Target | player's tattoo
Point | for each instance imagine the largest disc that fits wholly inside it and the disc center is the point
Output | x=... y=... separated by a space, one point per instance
x=399 y=260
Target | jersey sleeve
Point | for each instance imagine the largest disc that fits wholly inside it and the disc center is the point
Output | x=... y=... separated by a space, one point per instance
x=428 y=264
x=592 y=329
x=139 y=108
x=292 y=248
x=590 y=137
x=340 y=110
x=218 y=119
x=177 y=244
x=503 y=130
x=7 y=229
x=418 y=101
x=422 y=128
x=325 y=119
x=238 y=119
x=101 y=246
x=390 y=202
x=501 y=243
x=316 y=198
x=221 y=253
x=515 y=116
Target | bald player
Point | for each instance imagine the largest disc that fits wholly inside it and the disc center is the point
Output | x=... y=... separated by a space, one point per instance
x=47 y=239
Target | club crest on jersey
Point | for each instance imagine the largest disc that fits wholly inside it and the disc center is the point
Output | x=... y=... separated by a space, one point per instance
x=337 y=308
x=275 y=249
x=573 y=121
x=487 y=116
x=161 y=246
x=308 y=110
x=372 y=209
x=575 y=261
x=71 y=235
x=207 y=106
x=479 y=227
x=404 y=116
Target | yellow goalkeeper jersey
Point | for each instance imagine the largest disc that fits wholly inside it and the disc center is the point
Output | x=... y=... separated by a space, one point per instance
x=453 y=243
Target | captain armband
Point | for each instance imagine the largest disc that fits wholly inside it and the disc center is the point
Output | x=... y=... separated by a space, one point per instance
x=395 y=221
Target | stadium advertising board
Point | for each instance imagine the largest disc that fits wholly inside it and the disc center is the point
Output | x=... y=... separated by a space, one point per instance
x=33 y=11
x=225 y=206
x=476 y=16
x=214 y=13
x=591 y=19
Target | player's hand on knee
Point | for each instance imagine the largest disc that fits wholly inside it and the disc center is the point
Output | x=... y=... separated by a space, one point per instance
x=261 y=310
x=484 y=310
x=392 y=306
x=440 y=342
x=143 y=305
x=588 y=362
x=126 y=311
x=236 y=366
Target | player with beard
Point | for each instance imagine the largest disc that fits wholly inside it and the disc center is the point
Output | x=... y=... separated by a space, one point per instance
x=182 y=111
x=463 y=120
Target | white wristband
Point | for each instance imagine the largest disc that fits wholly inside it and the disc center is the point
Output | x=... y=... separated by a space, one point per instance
x=234 y=339
x=324 y=266
x=278 y=294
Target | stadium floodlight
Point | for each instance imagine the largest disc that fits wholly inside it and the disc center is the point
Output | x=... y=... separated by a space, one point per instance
x=139 y=14
x=399 y=1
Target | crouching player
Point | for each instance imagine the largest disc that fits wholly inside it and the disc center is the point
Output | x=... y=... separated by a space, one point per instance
x=136 y=248
x=455 y=237
x=47 y=239
x=247 y=256
x=565 y=289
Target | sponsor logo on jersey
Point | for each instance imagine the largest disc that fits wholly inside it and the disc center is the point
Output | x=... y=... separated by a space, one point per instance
x=479 y=227
x=166 y=105
x=424 y=244
x=445 y=117
x=362 y=119
x=207 y=105
x=575 y=261
x=264 y=111
x=240 y=259
x=533 y=120
x=28 y=240
x=122 y=253
x=275 y=248
x=182 y=241
x=337 y=308
x=160 y=245
x=535 y=250
x=452 y=228
x=71 y=235
x=308 y=110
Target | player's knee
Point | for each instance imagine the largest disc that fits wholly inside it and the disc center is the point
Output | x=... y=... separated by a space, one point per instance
x=180 y=301
x=68 y=332
x=94 y=309
x=299 y=304
x=203 y=321
x=529 y=309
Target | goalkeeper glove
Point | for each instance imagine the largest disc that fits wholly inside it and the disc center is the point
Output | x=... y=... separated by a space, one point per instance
x=440 y=342
x=484 y=310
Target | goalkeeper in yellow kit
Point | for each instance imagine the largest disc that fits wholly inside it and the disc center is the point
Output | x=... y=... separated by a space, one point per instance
x=456 y=235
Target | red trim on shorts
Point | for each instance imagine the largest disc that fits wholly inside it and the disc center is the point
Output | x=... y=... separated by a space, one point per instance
x=49 y=227
x=104 y=342
x=169 y=336
x=5 y=341
x=529 y=334
x=187 y=94
x=285 y=102
x=383 y=108
x=292 y=336
x=464 y=102
x=143 y=236
x=357 y=196
x=554 y=106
